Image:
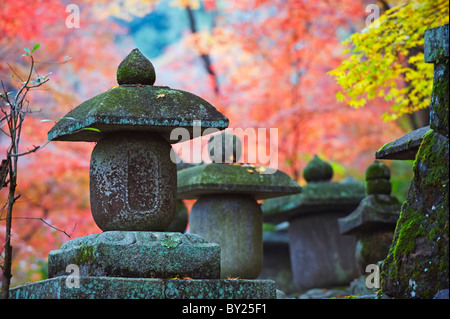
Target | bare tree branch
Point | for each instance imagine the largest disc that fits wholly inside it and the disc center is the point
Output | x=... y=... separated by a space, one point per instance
x=36 y=148
x=13 y=71
x=46 y=223
x=14 y=110
x=205 y=57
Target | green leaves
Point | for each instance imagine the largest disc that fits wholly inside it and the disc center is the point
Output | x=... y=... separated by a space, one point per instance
x=388 y=62
x=28 y=52
x=36 y=46
x=339 y=96
x=92 y=129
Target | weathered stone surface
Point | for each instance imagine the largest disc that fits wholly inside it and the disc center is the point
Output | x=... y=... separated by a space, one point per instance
x=136 y=69
x=403 y=148
x=378 y=178
x=374 y=211
x=437 y=52
x=321 y=257
x=436 y=44
x=249 y=289
x=376 y=171
x=373 y=221
x=442 y=294
x=315 y=198
x=220 y=289
x=138 y=255
x=219 y=178
x=235 y=223
x=224 y=148
x=145 y=288
x=439 y=104
x=417 y=264
x=135 y=108
x=277 y=261
x=372 y=248
x=318 y=171
x=132 y=182
x=194 y=289
x=91 y=288
x=137 y=105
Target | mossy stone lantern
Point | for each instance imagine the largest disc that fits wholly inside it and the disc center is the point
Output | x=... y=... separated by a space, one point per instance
x=373 y=221
x=320 y=256
x=133 y=196
x=133 y=182
x=226 y=211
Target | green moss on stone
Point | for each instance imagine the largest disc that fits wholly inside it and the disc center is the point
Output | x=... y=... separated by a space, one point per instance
x=378 y=186
x=377 y=170
x=85 y=255
x=417 y=264
x=131 y=108
x=317 y=170
x=440 y=99
x=170 y=242
x=219 y=178
x=136 y=69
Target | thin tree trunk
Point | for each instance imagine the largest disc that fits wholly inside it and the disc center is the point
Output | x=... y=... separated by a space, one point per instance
x=205 y=57
x=6 y=281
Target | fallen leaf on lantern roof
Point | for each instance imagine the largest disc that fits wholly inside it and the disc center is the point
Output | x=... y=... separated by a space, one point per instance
x=260 y=169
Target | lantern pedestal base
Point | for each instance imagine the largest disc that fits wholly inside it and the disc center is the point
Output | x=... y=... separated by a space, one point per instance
x=235 y=223
x=137 y=254
x=65 y=287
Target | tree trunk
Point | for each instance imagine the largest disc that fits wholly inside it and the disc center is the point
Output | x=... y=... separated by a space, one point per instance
x=205 y=57
x=6 y=281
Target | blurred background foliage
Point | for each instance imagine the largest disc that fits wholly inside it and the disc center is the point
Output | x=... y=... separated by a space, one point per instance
x=263 y=63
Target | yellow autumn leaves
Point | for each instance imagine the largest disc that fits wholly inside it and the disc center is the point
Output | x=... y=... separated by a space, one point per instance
x=251 y=168
x=388 y=61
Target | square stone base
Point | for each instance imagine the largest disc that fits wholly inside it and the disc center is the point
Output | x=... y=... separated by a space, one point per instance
x=89 y=287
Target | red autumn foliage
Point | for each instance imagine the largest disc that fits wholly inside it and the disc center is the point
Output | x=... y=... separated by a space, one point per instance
x=53 y=182
x=270 y=58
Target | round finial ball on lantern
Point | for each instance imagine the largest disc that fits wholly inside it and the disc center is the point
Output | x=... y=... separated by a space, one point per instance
x=224 y=148
x=378 y=179
x=318 y=171
x=136 y=69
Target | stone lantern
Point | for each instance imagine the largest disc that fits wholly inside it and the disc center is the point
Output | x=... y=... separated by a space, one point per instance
x=133 y=186
x=417 y=263
x=373 y=221
x=227 y=211
x=321 y=257
x=132 y=178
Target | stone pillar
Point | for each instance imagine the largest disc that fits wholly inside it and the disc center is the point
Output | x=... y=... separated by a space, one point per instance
x=321 y=257
x=234 y=221
x=227 y=211
x=373 y=221
x=132 y=182
x=417 y=263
